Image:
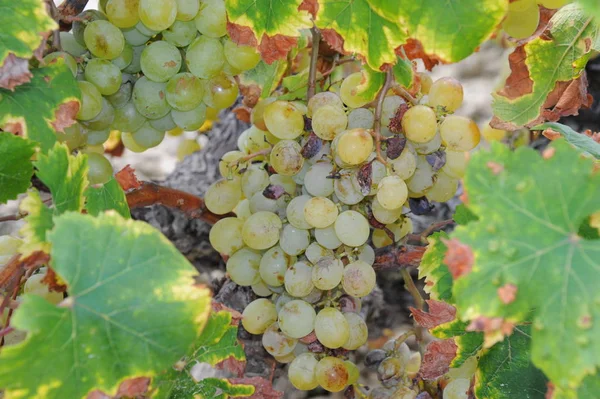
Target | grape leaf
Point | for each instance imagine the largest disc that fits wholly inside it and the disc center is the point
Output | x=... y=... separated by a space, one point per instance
x=545 y=81
x=66 y=177
x=438 y=280
x=370 y=85
x=364 y=31
x=505 y=370
x=404 y=72
x=584 y=143
x=16 y=168
x=108 y=196
x=37 y=223
x=266 y=76
x=530 y=209
x=47 y=104
x=133 y=310
x=469 y=343
x=591 y=7
x=24 y=28
x=213 y=388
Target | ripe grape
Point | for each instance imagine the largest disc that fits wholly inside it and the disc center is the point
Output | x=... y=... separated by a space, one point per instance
x=298 y=280
x=91 y=101
x=286 y=157
x=243 y=266
x=127 y=118
x=353 y=372
x=443 y=188
x=221 y=92
x=302 y=372
x=164 y=124
x=295 y=212
x=349 y=91
x=457 y=389
x=130 y=143
x=67 y=59
x=241 y=57
x=205 y=58
x=277 y=343
x=181 y=33
x=358 y=331
x=283 y=120
x=332 y=374
x=100 y=169
x=422 y=179
x=258 y=316
x=359 y=279
x=392 y=193
x=405 y=165
x=419 y=124
x=361 y=118
x=157 y=15
x=459 y=133
x=327 y=237
x=352 y=228
x=160 y=61
x=317 y=181
x=347 y=189
x=327 y=273
x=446 y=93
x=261 y=230
x=222 y=196
x=332 y=328
x=226 y=235
x=184 y=92
x=212 y=18
x=328 y=121
x=104 y=75
x=125 y=58
x=258 y=112
x=103 y=120
x=187 y=10
x=320 y=212
x=355 y=146
x=293 y=240
x=134 y=37
x=104 y=40
x=321 y=99
x=149 y=98
x=297 y=318
x=426 y=82
x=383 y=215
x=70 y=44
x=273 y=265
x=123 y=13
x=190 y=120
x=254 y=179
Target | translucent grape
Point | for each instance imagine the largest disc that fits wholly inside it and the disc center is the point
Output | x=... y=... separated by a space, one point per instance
x=457 y=389
x=258 y=112
x=100 y=170
x=277 y=343
x=253 y=140
x=286 y=157
x=212 y=18
x=258 y=316
x=320 y=212
x=317 y=181
x=181 y=33
x=34 y=286
x=74 y=136
x=355 y=146
x=459 y=133
x=331 y=328
x=288 y=184
x=205 y=58
x=366 y=254
x=297 y=318
x=314 y=252
x=70 y=45
x=259 y=202
x=359 y=279
x=328 y=121
x=158 y=15
x=293 y=240
x=349 y=91
x=160 y=61
x=521 y=24
x=228 y=165
x=352 y=228
x=123 y=13
x=135 y=66
x=358 y=331
x=384 y=215
x=321 y=99
x=104 y=75
x=261 y=230
x=426 y=82
x=91 y=101
x=130 y=143
x=190 y=120
x=149 y=98
x=222 y=196
x=298 y=279
x=295 y=212
x=447 y=92
x=82 y=21
x=187 y=10
x=327 y=237
x=332 y=374
x=361 y=118
x=419 y=124
x=327 y=273
x=283 y=120
x=221 y=92
x=104 y=40
x=430 y=146
x=66 y=57
x=127 y=118
x=184 y=92
x=273 y=265
x=392 y=192
x=353 y=372
x=241 y=57
x=301 y=372
x=443 y=188
x=413 y=364
x=243 y=266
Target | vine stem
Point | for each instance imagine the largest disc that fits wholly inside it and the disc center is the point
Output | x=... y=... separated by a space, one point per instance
x=389 y=78
x=409 y=283
x=314 y=58
x=433 y=227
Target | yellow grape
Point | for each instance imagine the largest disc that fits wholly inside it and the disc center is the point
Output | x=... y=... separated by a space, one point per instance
x=355 y=146
x=459 y=133
x=446 y=92
x=419 y=124
x=521 y=23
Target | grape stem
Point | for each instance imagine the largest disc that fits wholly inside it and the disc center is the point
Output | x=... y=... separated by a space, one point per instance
x=250 y=157
x=433 y=227
x=389 y=78
x=152 y=194
x=6 y=331
x=314 y=58
x=402 y=92
x=410 y=286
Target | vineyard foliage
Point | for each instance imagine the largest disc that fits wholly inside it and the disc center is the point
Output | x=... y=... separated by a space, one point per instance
x=513 y=300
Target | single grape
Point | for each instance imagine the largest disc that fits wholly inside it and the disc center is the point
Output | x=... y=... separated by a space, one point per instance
x=327 y=237
x=103 y=120
x=288 y=184
x=66 y=57
x=352 y=228
x=241 y=57
x=355 y=146
x=359 y=279
x=426 y=82
x=70 y=45
x=392 y=193
x=147 y=136
x=243 y=266
x=187 y=10
x=259 y=202
x=190 y=120
x=366 y=253
x=228 y=165
x=301 y=372
x=321 y=99
x=258 y=112
x=184 y=91
x=327 y=273
x=254 y=179
x=456 y=164
x=130 y=143
x=283 y=120
x=332 y=374
x=383 y=215
x=222 y=196
x=253 y=140
x=361 y=118
x=104 y=40
x=297 y=318
x=320 y=212
x=405 y=165
x=181 y=33
x=100 y=170
x=353 y=372
x=293 y=240
x=446 y=93
x=459 y=133
x=358 y=331
x=160 y=61
x=421 y=180
x=273 y=265
x=419 y=124
x=347 y=189
x=150 y=99
x=125 y=58
x=258 y=316
x=261 y=230
x=134 y=37
x=328 y=121
x=123 y=13
x=277 y=343
x=221 y=92
x=413 y=364
x=91 y=101
x=73 y=136
x=298 y=280
x=205 y=58
x=158 y=15
x=286 y=157
x=332 y=328
x=317 y=180
x=349 y=91
x=295 y=212
x=82 y=21
x=127 y=118
x=443 y=188
x=212 y=18
x=104 y=75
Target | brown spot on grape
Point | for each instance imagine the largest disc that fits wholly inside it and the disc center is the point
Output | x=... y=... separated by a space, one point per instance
x=170 y=64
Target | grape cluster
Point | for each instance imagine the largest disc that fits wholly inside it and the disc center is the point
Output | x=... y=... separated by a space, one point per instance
x=523 y=16
x=311 y=193
x=145 y=67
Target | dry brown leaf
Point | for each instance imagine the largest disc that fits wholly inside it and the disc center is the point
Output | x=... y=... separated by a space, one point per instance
x=335 y=41
x=566 y=99
x=242 y=113
x=439 y=313
x=65 y=115
x=273 y=48
x=437 y=359
x=51 y=281
x=263 y=387
x=231 y=364
x=241 y=35
x=14 y=72
x=459 y=258
x=413 y=49
x=235 y=315
x=131 y=388
x=312 y=6
x=251 y=94
x=127 y=179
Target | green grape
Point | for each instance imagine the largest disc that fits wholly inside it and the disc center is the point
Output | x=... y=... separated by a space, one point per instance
x=149 y=98
x=229 y=70
x=160 y=61
x=273 y=265
x=145 y=30
x=301 y=372
x=97 y=137
x=240 y=57
x=181 y=33
x=135 y=66
x=361 y=118
x=134 y=37
x=259 y=202
x=100 y=169
x=358 y=331
x=261 y=230
x=253 y=140
x=347 y=189
x=211 y=20
x=430 y=146
x=130 y=143
x=81 y=22
x=103 y=120
x=349 y=92
x=353 y=372
x=320 y=212
x=405 y=165
x=184 y=92
x=187 y=10
x=359 y=279
x=242 y=267
x=332 y=374
x=148 y=137
x=34 y=286
x=295 y=212
x=126 y=57
x=70 y=44
x=283 y=120
x=459 y=133
x=104 y=40
x=228 y=164
x=327 y=237
x=74 y=136
x=332 y=328
x=315 y=252
x=226 y=236
x=352 y=228
x=421 y=180
x=355 y=146
x=123 y=13
x=158 y=15
x=426 y=82
x=163 y=124
x=320 y=100
x=258 y=316
x=127 y=118
x=286 y=157
x=222 y=91
x=366 y=253
x=297 y=318
x=447 y=93
x=261 y=289
x=190 y=120
x=258 y=112
x=294 y=241
x=383 y=215
x=327 y=272
x=91 y=101
x=104 y=75
x=222 y=196
x=205 y=58
x=66 y=57
x=456 y=164
x=419 y=124
x=298 y=280
x=457 y=389
x=443 y=188
x=392 y=192
x=317 y=181
x=254 y=179
x=277 y=343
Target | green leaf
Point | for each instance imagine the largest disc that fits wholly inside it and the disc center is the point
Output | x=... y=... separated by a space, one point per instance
x=529 y=215
x=546 y=62
x=133 y=310
x=505 y=370
x=469 y=343
x=296 y=86
x=591 y=7
x=214 y=388
x=266 y=76
x=371 y=84
x=66 y=177
x=34 y=106
x=463 y=215
x=590 y=388
x=404 y=72
x=37 y=223
x=16 y=168
x=270 y=17
x=22 y=24
x=438 y=280
x=584 y=143
x=108 y=196
x=364 y=31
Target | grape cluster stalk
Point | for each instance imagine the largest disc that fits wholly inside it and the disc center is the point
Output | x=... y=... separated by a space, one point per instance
x=147 y=67
x=315 y=187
